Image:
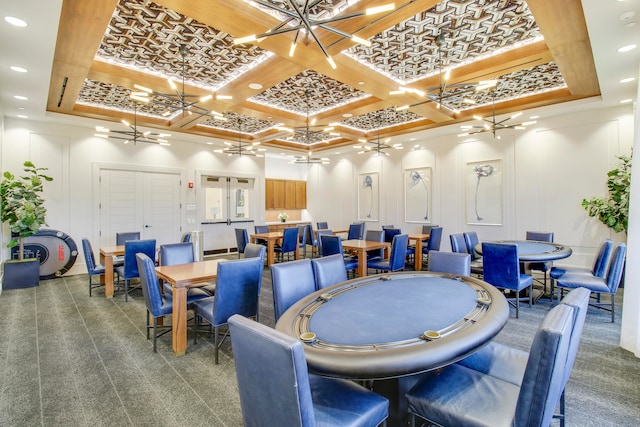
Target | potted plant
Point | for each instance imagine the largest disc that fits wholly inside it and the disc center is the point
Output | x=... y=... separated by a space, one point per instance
x=613 y=211
x=24 y=211
x=283 y=216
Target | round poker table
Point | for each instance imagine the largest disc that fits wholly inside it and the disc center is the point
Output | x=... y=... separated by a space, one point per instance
x=534 y=251
x=391 y=325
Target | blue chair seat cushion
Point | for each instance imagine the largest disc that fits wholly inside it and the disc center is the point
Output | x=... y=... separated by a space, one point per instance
x=524 y=281
x=557 y=272
x=98 y=269
x=379 y=264
x=457 y=395
x=193 y=294
x=578 y=280
x=339 y=402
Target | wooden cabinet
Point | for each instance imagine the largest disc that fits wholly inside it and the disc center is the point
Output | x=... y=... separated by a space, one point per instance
x=285 y=194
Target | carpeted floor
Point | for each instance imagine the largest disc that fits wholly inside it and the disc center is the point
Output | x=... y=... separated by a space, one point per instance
x=70 y=360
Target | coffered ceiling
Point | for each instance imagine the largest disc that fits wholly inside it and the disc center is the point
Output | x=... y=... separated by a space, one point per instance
x=538 y=51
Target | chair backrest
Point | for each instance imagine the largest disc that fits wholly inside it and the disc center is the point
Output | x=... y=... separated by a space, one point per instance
x=186 y=237
x=328 y=270
x=356 y=231
x=302 y=234
x=253 y=250
x=426 y=229
x=471 y=239
x=311 y=237
x=540 y=236
x=131 y=248
x=384 y=227
x=319 y=234
x=290 y=239
x=542 y=383
x=389 y=233
x=398 y=252
x=458 y=243
x=128 y=235
x=291 y=281
x=237 y=289
x=89 y=259
x=500 y=264
x=603 y=257
x=579 y=300
x=331 y=245
x=450 y=262
x=435 y=238
x=322 y=225
x=284 y=395
x=261 y=229
x=242 y=238
x=375 y=236
x=176 y=253
x=614 y=275
x=149 y=284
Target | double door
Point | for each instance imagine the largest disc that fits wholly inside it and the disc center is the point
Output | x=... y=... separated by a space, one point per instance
x=148 y=202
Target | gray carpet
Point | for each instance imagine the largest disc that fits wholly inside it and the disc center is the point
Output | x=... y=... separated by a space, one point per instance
x=70 y=360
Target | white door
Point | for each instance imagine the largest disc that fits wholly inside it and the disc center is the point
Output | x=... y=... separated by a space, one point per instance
x=148 y=202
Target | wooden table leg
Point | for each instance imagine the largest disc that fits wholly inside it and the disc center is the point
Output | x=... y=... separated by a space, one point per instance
x=418 y=256
x=362 y=263
x=270 y=251
x=108 y=275
x=179 y=318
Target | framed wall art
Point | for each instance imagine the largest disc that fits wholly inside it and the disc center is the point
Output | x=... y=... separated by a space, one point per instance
x=483 y=185
x=417 y=195
x=368 y=196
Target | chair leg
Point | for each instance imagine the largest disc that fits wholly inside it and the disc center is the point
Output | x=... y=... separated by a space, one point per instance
x=126 y=290
x=215 y=343
x=517 y=304
x=155 y=334
x=148 y=324
x=613 y=308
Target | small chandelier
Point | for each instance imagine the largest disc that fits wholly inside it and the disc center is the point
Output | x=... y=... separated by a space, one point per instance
x=133 y=135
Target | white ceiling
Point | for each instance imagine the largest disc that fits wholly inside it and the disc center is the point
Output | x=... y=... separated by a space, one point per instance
x=33 y=48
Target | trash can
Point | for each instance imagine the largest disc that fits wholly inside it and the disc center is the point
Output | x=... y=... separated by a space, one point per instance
x=198 y=245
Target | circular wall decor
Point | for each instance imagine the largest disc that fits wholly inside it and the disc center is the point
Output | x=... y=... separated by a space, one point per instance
x=55 y=249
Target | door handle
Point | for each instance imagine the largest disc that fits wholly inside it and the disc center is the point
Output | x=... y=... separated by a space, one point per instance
x=147 y=226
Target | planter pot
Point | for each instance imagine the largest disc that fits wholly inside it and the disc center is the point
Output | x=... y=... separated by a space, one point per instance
x=283 y=220
x=21 y=274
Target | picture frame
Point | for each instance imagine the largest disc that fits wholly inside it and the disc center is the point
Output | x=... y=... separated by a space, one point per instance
x=368 y=196
x=417 y=195
x=483 y=192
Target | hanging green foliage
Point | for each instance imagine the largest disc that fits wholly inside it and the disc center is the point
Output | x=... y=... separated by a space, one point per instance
x=613 y=211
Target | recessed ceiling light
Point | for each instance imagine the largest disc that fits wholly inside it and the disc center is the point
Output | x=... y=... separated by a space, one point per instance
x=360 y=83
x=20 y=97
x=626 y=48
x=627 y=80
x=209 y=143
x=626 y=101
x=15 y=21
x=18 y=69
x=347 y=115
x=627 y=15
x=22 y=116
x=256 y=86
x=534 y=117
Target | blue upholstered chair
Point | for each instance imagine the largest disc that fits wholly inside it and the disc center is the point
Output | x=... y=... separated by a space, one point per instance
x=290 y=281
x=375 y=236
x=509 y=364
x=259 y=229
x=253 y=250
x=450 y=262
x=186 y=237
x=302 y=238
x=458 y=244
x=129 y=270
x=319 y=241
x=242 y=238
x=384 y=227
x=322 y=225
x=182 y=253
x=328 y=270
x=312 y=240
x=389 y=233
x=396 y=256
x=426 y=229
x=544 y=267
x=356 y=231
x=598 y=285
x=157 y=305
x=237 y=290
x=458 y=395
x=433 y=244
x=289 y=243
x=599 y=268
x=502 y=270
x=471 y=239
x=93 y=269
x=126 y=235
x=332 y=245
x=287 y=394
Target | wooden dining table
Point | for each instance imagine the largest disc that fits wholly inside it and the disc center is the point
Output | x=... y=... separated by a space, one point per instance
x=419 y=239
x=271 y=237
x=181 y=277
x=361 y=247
x=106 y=258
